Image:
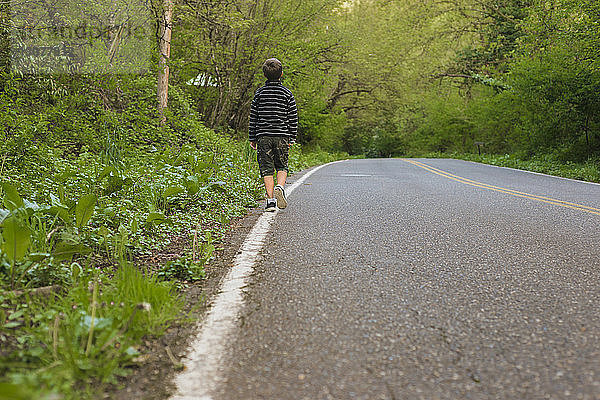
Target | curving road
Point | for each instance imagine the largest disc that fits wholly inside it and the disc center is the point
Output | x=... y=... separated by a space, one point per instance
x=424 y=279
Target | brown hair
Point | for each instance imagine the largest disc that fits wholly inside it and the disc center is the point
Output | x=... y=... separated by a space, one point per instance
x=272 y=69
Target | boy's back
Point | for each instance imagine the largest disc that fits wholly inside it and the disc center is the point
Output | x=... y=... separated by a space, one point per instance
x=273 y=112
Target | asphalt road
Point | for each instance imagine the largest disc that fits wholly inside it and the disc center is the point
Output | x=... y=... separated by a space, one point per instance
x=387 y=280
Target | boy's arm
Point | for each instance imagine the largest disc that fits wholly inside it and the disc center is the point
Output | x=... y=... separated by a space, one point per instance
x=253 y=123
x=292 y=119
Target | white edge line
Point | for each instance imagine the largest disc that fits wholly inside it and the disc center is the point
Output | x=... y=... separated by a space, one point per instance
x=203 y=363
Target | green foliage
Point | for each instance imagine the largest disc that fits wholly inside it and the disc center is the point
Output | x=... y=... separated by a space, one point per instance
x=19 y=392
x=16 y=238
x=134 y=287
x=155 y=219
x=221 y=47
x=87 y=335
x=12 y=199
x=316 y=126
x=104 y=184
x=499 y=24
x=85 y=209
x=184 y=269
x=67 y=345
x=560 y=97
x=101 y=184
x=393 y=78
x=302 y=158
x=529 y=87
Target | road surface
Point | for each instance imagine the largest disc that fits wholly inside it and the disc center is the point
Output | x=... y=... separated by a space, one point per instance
x=424 y=279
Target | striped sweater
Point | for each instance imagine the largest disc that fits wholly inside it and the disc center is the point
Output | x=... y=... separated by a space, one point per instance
x=273 y=112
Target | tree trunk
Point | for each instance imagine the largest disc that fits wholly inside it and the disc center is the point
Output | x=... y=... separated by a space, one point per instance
x=4 y=37
x=164 y=45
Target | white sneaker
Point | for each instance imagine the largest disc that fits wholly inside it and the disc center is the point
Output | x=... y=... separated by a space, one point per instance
x=279 y=194
x=271 y=205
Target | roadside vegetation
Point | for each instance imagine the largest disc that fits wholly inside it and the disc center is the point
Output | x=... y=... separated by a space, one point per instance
x=91 y=196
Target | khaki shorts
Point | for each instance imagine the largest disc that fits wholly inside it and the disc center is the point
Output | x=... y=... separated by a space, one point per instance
x=272 y=154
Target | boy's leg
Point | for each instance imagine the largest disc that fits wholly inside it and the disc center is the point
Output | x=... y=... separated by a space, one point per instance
x=266 y=165
x=281 y=165
x=267 y=168
x=280 y=159
x=270 y=184
x=281 y=177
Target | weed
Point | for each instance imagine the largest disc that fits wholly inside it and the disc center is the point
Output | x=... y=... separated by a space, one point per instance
x=184 y=269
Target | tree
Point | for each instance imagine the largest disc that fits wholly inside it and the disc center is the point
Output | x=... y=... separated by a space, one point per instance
x=391 y=52
x=164 y=47
x=558 y=76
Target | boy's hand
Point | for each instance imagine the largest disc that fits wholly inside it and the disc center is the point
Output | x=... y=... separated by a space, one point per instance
x=253 y=145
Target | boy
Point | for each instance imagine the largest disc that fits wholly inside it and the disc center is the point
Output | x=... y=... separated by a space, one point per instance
x=272 y=131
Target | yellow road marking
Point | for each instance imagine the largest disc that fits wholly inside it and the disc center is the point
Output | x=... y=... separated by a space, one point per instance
x=511 y=192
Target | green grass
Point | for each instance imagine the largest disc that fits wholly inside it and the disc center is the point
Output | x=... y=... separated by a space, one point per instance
x=81 y=340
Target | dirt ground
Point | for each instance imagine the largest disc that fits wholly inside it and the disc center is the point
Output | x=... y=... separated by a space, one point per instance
x=152 y=378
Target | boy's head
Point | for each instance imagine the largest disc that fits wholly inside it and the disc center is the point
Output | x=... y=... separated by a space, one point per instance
x=272 y=69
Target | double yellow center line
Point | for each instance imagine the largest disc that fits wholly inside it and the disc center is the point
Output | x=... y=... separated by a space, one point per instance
x=511 y=192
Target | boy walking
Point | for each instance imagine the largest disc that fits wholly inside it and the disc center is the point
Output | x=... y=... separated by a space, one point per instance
x=272 y=131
